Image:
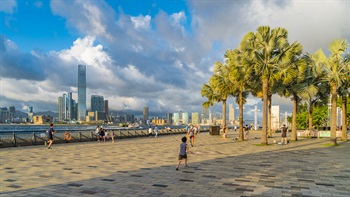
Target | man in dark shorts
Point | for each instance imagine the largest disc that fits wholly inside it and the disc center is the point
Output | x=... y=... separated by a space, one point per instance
x=284 y=134
x=50 y=133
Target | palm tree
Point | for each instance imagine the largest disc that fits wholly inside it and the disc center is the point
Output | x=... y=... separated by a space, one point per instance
x=265 y=50
x=344 y=92
x=218 y=90
x=336 y=68
x=292 y=74
x=239 y=76
x=318 y=90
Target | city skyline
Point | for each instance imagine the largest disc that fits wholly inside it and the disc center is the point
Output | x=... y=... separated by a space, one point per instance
x=150 y=53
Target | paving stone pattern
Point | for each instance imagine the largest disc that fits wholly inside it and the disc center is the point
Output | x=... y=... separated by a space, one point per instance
x=146 y=167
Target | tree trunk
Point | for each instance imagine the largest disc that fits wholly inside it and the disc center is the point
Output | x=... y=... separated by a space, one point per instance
x=310 y=115
x=224 y=130
x=240 y=101
x=344 y=136
x=264 y=118
x=269 y=123
x=333 y=114
x=294 y=119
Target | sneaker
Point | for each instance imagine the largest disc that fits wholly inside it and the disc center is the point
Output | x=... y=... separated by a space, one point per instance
x=177 y=169
x=49 y=147
x=186 y=165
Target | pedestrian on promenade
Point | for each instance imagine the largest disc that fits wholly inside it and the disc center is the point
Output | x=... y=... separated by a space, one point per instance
x=50 y=133
x=150 y=131
x=246 y=132
x=97 y=132
x=191 y=133
x=102 y=134
x=156 y=131
x=183 y=152
x=112 y=135
x=284 y=134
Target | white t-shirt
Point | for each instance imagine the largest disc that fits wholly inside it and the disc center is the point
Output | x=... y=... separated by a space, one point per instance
x=150 y=130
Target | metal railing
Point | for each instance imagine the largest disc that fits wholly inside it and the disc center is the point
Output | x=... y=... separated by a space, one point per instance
x=40 y=138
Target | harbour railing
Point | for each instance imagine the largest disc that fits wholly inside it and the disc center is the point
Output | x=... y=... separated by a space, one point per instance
x=40 y=138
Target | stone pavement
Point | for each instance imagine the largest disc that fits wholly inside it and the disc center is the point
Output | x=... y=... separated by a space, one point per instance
x=146 y=167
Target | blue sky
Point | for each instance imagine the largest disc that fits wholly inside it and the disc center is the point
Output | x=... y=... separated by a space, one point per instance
x=143 y=53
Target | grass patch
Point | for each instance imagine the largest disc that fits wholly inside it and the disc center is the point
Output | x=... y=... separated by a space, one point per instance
x=263 y=144
x=329 y=144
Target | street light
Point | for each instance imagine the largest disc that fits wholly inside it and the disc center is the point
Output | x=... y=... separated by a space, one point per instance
x=256 y=117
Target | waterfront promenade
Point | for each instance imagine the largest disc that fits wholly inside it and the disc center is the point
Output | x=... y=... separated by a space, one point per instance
x=146 y=167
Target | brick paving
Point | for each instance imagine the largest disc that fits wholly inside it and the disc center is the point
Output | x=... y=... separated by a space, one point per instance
x=146 y=167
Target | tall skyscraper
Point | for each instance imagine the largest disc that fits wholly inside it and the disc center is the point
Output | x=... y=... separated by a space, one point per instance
x=97 y=103
x=106 y=106
x=195 y=118
x=81 y=93
x=231 y=114
x=169 y=118
x=185 y=118
x=30 y=114
x=145 y=113
x=66 y=107
x=60 y=108
x=176 y=118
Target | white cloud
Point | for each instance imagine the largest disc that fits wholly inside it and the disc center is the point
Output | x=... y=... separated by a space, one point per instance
x=8 y=6
x=158 y=60
x=38 y=4
x=141 y=22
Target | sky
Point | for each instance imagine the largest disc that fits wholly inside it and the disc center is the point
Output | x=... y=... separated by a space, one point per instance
x=144 y=52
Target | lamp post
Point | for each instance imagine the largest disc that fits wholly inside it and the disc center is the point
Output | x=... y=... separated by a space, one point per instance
x=256 y=117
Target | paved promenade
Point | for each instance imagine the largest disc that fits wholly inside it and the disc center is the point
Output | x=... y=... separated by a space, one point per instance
x=146 y=167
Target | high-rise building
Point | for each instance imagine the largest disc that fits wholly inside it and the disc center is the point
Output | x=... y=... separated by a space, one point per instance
x=30 y=114
x=185 y=118
x=169 y=118
x=145 y=114
x=176 y=118
x=70 y=106
x=81 y=92
x=231 y=116
x=66 y=105
x=60 y=108
x=195 y=118
x=106 y=106
x=97 y=103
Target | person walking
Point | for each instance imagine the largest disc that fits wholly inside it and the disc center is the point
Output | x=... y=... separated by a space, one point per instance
x=156 y=131
x=150 y=131
x=183 y=152
x=284 y=134
x=97 y=132
x=112 y=135
x=50 y=133
x=191 y=133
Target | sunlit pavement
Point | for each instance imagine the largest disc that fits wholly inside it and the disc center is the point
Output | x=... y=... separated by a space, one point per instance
x=146 y=167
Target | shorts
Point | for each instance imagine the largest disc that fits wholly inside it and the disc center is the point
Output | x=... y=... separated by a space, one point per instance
x=284 y=134
x=50 y=137
x=192 y=136
x=182 y=157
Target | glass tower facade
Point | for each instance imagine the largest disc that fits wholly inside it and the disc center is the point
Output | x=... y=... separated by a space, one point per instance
x=81 y=93
x=97 y=103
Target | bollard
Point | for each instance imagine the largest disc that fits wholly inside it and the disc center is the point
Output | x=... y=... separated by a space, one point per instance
x=14 y=141
x=34 y=138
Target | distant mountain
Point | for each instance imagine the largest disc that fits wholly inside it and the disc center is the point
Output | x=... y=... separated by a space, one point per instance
x=136 y=113
x=21 y=114
x=47 y=113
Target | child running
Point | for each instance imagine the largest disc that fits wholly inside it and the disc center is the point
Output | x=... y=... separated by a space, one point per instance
x=183 y=152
